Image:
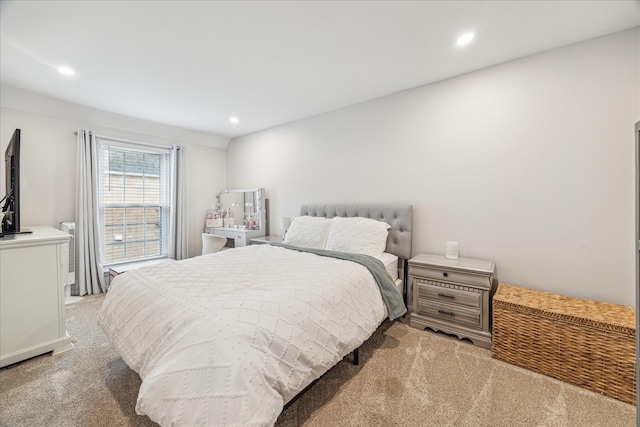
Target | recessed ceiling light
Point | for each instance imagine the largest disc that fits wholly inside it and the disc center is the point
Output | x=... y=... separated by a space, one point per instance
x=465 y=39
x=234 y=120
x=67 y=71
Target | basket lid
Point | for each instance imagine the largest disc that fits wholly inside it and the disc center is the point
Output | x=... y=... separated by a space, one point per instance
x=579 y=311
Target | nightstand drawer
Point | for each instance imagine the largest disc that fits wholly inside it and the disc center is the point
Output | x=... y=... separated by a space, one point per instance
x=451 y=313
x=443 y=292
x=451 y=276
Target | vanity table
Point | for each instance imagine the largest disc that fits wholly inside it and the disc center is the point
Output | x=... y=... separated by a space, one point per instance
x=242 y=216
x=236 y=237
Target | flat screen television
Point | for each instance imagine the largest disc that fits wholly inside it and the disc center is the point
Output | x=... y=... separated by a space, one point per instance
x=11 y=208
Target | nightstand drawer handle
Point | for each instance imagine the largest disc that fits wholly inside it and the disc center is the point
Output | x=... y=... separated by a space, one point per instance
x=448 y=313
x=447 y=296
x=445 y=274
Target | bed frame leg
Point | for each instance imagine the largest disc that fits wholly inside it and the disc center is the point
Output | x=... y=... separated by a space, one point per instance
x=356 y=359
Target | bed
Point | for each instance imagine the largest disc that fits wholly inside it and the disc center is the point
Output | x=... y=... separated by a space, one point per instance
x=229 y=338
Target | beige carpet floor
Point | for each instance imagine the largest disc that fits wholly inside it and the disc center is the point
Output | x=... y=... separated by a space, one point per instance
x=406 y=377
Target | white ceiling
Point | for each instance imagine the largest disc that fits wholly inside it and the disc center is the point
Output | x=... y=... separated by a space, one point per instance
x=193 y=64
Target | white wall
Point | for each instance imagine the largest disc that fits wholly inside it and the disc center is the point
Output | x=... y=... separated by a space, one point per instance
x=48 y=157
x=529 y=163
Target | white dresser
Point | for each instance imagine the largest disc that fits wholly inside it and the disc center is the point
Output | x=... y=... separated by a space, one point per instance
x=33 y=274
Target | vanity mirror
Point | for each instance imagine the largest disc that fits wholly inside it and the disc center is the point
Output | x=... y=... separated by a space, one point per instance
x=242 y=208
x=241 y=216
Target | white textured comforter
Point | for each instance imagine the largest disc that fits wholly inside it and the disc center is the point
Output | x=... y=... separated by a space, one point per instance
x=228 y=338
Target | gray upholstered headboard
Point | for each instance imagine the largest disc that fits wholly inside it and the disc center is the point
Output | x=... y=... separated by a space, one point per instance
x=399 y=217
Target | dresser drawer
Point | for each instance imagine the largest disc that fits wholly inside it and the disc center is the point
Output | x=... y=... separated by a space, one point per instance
x=449 y=293
x=238 y=238
x=451 y=276
x=451 y=313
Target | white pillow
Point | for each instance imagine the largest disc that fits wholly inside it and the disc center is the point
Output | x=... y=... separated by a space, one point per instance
x=357 y=235
x=308 y=232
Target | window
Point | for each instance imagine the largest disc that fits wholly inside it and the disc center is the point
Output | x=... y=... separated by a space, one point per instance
x=133 y=202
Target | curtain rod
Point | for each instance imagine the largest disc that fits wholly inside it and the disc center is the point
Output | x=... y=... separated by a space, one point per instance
x=126 y=141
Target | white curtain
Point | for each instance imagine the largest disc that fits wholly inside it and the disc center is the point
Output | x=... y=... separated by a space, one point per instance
x=178 y=241
x=90 y=271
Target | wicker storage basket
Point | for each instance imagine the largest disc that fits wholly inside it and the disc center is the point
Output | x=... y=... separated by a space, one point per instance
x=587 y=343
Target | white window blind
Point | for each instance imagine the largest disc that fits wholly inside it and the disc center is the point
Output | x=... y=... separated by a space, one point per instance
x=133 y=202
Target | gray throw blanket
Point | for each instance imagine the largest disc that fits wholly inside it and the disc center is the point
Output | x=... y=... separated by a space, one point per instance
x=390 y=294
